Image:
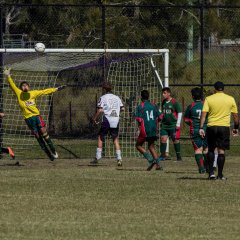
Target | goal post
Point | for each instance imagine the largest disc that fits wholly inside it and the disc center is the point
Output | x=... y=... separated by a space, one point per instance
x=129 y=71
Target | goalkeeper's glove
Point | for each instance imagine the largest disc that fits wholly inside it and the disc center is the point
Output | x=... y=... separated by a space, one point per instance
x=61 y=87
x=7 y=71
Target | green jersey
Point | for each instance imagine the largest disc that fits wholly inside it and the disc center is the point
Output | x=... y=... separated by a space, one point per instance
x=147 y=114
x=192 y=115
x=170 y=110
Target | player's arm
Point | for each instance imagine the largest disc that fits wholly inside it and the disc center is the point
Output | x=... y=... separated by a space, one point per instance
x=138 y=116
x=203 y=117
x=97 y=114
x=234 y=111
x=187 y=116
x=7 y=73
x=179 y=114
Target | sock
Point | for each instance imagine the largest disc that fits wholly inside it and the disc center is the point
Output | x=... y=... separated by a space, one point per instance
x=44 y=147
x=177 y=149
x=200 y=161
x=206 y=162
x=148 y=156
x=50 y=143
x=210 y=156
x=4 y=150
x=99 y=153
x=118 y=155
x=215 y=160
x=163 y=148
x=220 y=163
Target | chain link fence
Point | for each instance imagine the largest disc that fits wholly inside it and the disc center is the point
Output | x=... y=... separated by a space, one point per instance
x=203 y=40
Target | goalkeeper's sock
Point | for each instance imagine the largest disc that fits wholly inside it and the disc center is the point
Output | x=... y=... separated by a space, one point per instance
x=148 y=156
x=163 y=148
x=220 y=163
x=118 y=155
x=49 y=143
x=44 y=147
x=99 y=153
x=177 y=148
x=200 y=162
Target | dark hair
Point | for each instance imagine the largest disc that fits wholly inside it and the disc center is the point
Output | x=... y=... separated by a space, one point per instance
x=166 y=89
x=144 y=95
x=107 y=86
x=219 y=86
x=22 y=83
x=197 y=93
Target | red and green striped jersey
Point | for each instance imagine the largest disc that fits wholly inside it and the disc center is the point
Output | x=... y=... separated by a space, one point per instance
x=147 y=114
x=170 y=110
x=193 y=113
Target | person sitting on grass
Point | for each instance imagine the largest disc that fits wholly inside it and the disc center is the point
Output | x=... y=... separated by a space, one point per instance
x=147 y=115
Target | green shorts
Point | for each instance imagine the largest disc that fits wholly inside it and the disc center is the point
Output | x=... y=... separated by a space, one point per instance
x=197 y=140
x=173 y=133
x=35 y=123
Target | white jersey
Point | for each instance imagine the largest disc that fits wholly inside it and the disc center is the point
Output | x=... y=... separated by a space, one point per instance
x=111 y=105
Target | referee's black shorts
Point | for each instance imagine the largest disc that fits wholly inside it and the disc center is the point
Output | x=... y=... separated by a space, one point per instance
x=218 y=136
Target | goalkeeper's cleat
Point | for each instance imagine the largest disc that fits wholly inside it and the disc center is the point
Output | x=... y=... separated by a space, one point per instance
x=119 y=163
x=11 y=153
x=94 y=161
x=55 y=155
x=150 y=166
x=159 y=167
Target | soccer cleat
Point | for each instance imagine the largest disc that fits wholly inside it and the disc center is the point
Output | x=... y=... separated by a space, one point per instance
x=158 y=167
x=150 y=166
x=179 y=158
x=11 y=153
x=201 y=171
x=212 y=177
x=162 y=158
x=94 y=161
x=221 y=178
x=119 y=163
x=55 y=155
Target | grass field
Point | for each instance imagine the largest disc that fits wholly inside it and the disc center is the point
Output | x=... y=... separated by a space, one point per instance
x=68 y=199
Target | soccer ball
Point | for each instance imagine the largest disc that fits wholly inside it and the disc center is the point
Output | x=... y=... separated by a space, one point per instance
x=39 y=47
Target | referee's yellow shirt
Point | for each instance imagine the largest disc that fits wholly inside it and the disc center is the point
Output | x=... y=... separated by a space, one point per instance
x=219 y=107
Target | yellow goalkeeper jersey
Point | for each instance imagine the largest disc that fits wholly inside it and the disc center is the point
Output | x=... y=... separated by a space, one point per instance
x=27 y=100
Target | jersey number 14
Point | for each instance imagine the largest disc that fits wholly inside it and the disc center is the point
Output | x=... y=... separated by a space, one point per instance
x=150 y=115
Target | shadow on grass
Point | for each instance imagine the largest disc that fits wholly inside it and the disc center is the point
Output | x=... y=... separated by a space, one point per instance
x=193 y=178
x=92 y=165
x=132 y=169
x=16 y=164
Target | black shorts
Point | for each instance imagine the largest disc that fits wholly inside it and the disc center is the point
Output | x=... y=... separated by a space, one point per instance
x=218 y=136
x=106 y=129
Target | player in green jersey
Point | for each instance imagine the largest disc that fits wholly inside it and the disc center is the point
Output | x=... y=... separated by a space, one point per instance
x=192 y=118
x=170 y=125
x=147 y=115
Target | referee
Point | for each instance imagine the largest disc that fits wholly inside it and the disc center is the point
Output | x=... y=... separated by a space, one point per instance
x=218 y=107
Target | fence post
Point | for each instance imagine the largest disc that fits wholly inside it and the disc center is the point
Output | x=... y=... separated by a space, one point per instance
x=103 y=39
x=201 y=44
x=1 y=78
x=70 y=116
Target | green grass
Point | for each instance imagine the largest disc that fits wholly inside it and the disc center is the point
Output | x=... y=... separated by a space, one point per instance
x=68 y=199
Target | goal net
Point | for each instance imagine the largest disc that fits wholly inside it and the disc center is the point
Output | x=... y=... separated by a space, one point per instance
x=68 y=113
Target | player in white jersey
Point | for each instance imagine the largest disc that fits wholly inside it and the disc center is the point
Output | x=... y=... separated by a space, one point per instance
x=110 y=105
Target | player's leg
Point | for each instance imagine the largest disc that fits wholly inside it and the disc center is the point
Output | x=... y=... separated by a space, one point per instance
x=163 y=143
x=44 y=134
x=215 y=158
x=151 y=147
x=197 y=143
x=139 y=146
x=223 y=143
x=211 y=139
x=175 y=135
x=205 y=152
x=114 y=133
x=33 y=126
x=9 y=151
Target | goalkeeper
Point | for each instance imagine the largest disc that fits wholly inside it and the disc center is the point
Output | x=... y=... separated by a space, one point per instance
x=27 y=103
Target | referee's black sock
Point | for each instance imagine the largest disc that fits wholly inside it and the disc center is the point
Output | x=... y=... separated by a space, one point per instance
x=210 y=156
x=220 y=162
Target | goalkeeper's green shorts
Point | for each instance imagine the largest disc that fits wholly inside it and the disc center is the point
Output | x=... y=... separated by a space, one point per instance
x=35 y=123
